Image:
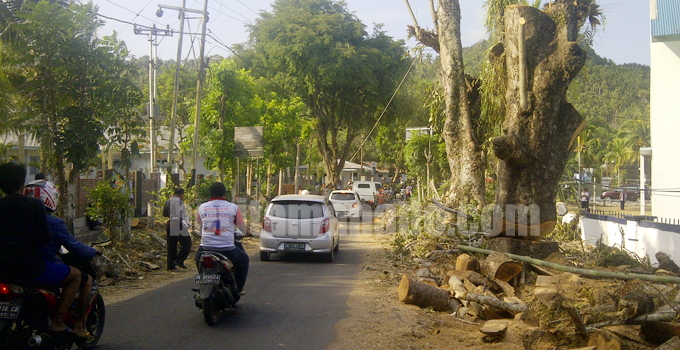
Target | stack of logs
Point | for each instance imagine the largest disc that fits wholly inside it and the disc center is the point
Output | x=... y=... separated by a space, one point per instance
x=484 y=290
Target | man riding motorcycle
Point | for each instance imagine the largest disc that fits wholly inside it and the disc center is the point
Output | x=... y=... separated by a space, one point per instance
x=48 y=193
x=218 y=219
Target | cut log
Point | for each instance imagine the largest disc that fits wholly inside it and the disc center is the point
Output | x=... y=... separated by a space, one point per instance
x=672 y=344
x=533 y=249
x=657 y=332
x=500 y=267
x=666 y=263
x=157 y=238
x=604 y=340
x=413 y=292
x=487 y=300
x=494 y=329
x=465 y=262
x=476 y=278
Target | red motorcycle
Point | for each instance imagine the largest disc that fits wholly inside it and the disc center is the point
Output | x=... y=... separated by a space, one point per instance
x=26 y=314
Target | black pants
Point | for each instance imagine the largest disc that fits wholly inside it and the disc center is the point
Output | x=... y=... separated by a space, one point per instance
x=623 y=204
x=185 y=246
x=584 y=205
x=238 y=257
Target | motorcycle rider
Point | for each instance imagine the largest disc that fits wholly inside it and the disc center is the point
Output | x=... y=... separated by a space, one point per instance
x=24 y=237
x=48 y=193
x=218 y=219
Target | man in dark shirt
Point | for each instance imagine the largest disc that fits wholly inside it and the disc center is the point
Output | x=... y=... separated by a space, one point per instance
x=24 y=238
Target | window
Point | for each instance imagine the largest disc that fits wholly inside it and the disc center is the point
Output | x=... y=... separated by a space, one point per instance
x=363 y=186
x=296 y=210
x=342 y=196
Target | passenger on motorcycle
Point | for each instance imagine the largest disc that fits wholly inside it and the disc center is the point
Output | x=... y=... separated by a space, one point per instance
x=48 y=193
x=24 y=237
x=218 y=219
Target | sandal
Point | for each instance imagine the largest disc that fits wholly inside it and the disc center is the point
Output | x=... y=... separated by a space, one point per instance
x=87 y=336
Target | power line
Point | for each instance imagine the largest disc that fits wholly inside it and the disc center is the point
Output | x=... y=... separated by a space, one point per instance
x=127 y=9
x=246 y=6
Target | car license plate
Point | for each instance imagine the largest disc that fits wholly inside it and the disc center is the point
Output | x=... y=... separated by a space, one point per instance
x=9 y=311
x=293 y=246
x=341 y=213
x=207 y=279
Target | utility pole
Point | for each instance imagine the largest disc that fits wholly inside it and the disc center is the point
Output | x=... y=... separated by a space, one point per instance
x=199 y=92
x=153 y=33
x=159 y=13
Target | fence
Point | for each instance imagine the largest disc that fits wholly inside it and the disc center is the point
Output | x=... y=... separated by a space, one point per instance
x=642 y=237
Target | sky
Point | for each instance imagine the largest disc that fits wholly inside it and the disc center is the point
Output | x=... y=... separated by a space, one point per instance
x=624 y=38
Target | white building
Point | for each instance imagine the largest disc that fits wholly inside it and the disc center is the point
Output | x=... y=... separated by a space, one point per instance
x=665 y=107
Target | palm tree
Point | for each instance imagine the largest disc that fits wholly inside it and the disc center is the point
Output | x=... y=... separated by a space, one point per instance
x=620 y=154
x=636 y=132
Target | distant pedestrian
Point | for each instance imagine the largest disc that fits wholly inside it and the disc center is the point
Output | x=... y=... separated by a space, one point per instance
x=177 y=230
x=622 y=197
x=585 y=199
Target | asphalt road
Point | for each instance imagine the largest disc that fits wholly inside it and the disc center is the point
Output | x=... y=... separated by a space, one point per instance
x=292 y=302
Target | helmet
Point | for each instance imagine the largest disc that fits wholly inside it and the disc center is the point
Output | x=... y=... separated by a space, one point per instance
x=305 y=192
x=45 y=191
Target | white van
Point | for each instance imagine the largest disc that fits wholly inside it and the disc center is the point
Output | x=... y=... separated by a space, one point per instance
x=367 y=191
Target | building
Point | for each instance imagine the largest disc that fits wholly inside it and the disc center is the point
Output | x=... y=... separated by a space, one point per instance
x=665 y=107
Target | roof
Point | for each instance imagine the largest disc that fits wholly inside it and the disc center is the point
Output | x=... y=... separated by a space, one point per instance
x=665 y=16
x=300 y=197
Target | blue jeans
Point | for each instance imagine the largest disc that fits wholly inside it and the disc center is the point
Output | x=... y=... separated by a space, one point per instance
x=237 y=256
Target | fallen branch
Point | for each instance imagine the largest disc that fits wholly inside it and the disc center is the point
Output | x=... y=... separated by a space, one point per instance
x=453 y=211
x=121 y=258
x=580 y=271
x=659 y=316
x=157 y=238
x=576 y=318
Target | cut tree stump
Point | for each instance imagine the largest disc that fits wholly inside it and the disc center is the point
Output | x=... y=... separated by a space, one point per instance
x=532 y=249
x=501 y=267
x=424 y=295
x=494 y=329
x=672 y=344
x=465 y=262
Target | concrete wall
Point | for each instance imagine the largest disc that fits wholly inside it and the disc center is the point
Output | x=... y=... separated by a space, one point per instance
x=665 y=126
x=643 y=238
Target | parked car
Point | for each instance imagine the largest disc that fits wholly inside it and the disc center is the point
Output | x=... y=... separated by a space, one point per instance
x=347 y=204
x=299 y=224
x=632 y=192
x=367 y=191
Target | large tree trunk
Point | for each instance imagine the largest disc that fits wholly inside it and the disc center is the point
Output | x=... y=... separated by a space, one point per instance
x=539 y=128
x=462 y=148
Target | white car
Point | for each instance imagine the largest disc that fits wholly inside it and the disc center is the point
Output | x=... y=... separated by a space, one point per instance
x=347 y=204
x=299 y=224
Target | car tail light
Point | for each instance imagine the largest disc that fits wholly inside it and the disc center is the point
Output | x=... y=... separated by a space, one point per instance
x=325 y=225
x=4 y=290
x=9 y=289
x=208 y=262
x=355 y=204
x=267 y=224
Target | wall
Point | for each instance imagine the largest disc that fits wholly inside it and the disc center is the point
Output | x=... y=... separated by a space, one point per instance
x=643 y=238
x=665 y=123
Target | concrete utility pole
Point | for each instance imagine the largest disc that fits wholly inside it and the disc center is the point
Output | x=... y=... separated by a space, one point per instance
x=199 y=93
x=153 y=33
x=159 y=13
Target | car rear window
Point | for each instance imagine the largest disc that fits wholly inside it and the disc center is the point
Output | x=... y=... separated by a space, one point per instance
x=342 y=196
x=296 y=210
x=364 y=186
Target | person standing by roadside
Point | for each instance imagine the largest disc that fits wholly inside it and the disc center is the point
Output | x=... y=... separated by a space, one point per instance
x=177 y=229
x=585 y=199
x=622 y=197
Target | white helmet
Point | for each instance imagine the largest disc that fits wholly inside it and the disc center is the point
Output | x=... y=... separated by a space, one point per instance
x=45 y=191
x=305 y=192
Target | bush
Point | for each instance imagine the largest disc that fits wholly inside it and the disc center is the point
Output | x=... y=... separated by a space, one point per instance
x=109 y=204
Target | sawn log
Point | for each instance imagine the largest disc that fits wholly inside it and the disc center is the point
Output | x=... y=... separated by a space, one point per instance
x=417 y=293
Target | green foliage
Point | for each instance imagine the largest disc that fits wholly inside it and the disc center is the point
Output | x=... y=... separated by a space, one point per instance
x=110 y=204
x=422 y=151
x=320 y=52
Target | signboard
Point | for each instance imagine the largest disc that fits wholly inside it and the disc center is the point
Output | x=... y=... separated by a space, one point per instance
x=423 y=130
x=249 y=142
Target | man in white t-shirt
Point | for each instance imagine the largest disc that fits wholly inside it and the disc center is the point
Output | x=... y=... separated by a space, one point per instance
x=218 y=219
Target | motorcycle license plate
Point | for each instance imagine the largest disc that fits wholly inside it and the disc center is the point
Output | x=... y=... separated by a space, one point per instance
x=9 y=311
x=293 y=246
x=207 y=279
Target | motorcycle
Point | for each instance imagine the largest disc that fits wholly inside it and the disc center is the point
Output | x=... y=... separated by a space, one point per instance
x=217 y=286
x=26 y=313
